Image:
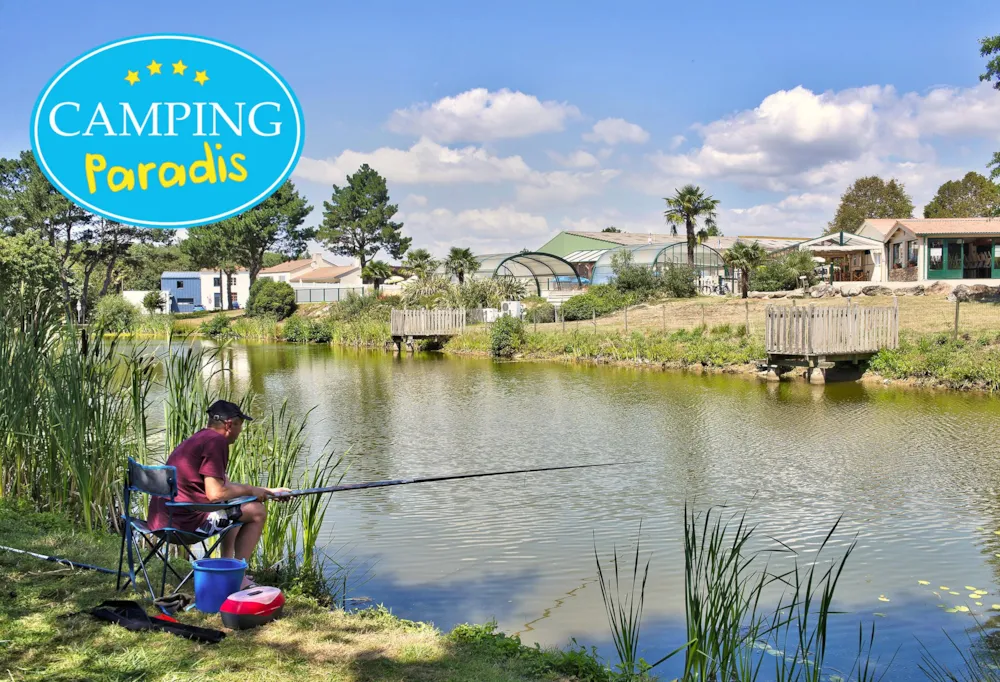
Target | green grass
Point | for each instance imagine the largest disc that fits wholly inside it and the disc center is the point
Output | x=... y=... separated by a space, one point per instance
x=42 y=639
x=968 y=362
x=720 y=347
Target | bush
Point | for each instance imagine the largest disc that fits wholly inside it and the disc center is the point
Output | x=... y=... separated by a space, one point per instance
x=631 y=278
x=782 y=274
x=215 y=327
x=506 y=337
x=678 y=281
x=303 y=330
x=600 y=299
x=115 y=315
x=153 y=302
x=268 y=297
x=537 y=309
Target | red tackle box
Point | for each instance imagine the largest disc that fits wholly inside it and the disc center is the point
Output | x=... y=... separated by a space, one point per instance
x=252 y=607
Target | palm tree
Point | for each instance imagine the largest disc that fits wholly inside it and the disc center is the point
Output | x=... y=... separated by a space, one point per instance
x=461 y=262
x=420 y=263
x=746 y=258
x=376 y=272
x=686 y=207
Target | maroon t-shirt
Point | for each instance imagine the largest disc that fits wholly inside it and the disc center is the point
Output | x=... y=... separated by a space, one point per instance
x=206 y=453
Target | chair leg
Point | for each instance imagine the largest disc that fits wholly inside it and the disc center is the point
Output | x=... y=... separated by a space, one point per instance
x=142 y=565
x=121 y=559
x=166 y=562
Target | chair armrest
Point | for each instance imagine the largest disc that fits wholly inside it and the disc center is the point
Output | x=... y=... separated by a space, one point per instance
x=212 y=506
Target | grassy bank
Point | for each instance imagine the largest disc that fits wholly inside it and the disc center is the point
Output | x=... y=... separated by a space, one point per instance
x=40 y=639
x=722 y=346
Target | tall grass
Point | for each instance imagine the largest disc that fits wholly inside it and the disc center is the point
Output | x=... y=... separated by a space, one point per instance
x=732 y=628
x=74 y=406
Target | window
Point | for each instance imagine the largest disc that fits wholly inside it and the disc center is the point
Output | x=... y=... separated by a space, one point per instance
x=897 y=255
x=911 y=253
x=935 y=252
x=185 y=301
x=217 y=282
x=232 y=281
x=180 y=284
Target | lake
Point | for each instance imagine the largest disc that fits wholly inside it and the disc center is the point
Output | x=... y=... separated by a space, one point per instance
x=913 y=473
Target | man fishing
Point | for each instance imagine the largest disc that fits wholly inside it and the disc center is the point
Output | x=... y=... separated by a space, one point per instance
x=201 y=462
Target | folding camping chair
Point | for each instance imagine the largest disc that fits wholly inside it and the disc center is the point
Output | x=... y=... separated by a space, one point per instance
x=161 y=481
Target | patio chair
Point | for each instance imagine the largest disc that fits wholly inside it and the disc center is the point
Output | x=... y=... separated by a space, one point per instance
x=161 y=481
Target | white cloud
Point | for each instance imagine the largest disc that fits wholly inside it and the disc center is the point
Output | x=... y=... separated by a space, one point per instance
x=616 y=130
x=676 y=141
x=478 y=114
x=562 y=187
x=416 y=199
x=484 y=230
x=424 y=162
x=799 y=140
x=578 y=159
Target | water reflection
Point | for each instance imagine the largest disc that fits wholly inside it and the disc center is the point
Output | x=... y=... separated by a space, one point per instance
x=913 y=474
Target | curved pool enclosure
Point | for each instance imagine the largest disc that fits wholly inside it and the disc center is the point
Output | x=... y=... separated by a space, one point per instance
x=545 y=270
x=708 y=262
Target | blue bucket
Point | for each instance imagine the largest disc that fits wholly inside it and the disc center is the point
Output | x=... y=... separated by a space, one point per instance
x=216 y=579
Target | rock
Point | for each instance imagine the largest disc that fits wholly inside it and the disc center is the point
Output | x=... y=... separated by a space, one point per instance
x=778 y=294
x=851 y=289
x=937 y=289
x=757 y=294
x=959 y=293
x=820 y=290
x=876 y=290
x=796 y=293
x=916 y=290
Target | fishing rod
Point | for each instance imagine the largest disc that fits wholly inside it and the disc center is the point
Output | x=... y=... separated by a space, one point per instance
x=59 y=560
x=434 y=479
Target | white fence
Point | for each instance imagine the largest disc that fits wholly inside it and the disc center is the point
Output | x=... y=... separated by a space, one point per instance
x=325 y=294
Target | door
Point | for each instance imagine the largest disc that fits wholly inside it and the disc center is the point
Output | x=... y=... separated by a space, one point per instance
x=945 y=258
x=218 y=300
x=995 y=271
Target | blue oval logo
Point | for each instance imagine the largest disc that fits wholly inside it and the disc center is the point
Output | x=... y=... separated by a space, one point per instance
x=167 y=131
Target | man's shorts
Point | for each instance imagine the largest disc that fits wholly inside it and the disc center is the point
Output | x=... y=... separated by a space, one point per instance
x=218 y=520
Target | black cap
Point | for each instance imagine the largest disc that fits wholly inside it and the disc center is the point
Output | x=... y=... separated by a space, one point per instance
x=222 y=410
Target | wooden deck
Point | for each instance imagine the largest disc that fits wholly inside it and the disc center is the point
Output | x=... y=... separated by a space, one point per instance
x=820 y=337
x=407 y=325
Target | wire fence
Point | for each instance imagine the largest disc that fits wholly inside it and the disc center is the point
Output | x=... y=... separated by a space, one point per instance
x=917 y=315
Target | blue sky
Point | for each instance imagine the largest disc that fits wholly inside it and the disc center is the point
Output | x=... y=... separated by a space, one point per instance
x=499 y=125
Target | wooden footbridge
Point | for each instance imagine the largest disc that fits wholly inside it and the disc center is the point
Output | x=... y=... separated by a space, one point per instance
x=820 y=337
x=405 y=326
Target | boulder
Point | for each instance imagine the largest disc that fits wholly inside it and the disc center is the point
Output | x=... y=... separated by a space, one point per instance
x=757 y=294
x=851 y=289
x=916 y=290
x=876 y=290
x=937 y=289
x=796 y=293
x=959 y=293
x=778 y=294
x=820 y=290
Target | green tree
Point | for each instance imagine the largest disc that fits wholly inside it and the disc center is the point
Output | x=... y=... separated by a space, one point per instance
x=990 y=47
x=610 y=228
x=420 y=263
x=376 y=272
x=268 y=297
x=146 y=262
x=870 y=197
x=26 y=258
x=709 y=231
x=973 y=196
x=357 y=221
x=275 y=223
x=271 y=259
x=28 y=201
x=689 y=205
x=153 y=302
x=746 y=258
x=461 y=263
x=208 y=248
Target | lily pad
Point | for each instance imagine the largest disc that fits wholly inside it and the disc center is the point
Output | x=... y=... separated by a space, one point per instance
x=923 y=582
x=954 y=609
x=971 y=589
x=973 y=595
x=978 y=603
x=954 y=593
x=962 y=609
x=880 y=615
x=942 y=587
x=882 y=597
x=995 y=606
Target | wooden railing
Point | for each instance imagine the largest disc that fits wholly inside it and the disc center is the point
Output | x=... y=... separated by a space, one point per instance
x=426 y=322
x=833 y=330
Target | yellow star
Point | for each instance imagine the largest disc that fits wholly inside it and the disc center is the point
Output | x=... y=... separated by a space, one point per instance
x=200 y=77
x=179 y=67
x=132 y=77
x=154 y=67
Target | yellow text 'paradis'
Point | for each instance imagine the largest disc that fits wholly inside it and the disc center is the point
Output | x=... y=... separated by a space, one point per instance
x=212 y=169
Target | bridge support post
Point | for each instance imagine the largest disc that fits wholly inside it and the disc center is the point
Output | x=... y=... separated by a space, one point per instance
x=817 y=375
